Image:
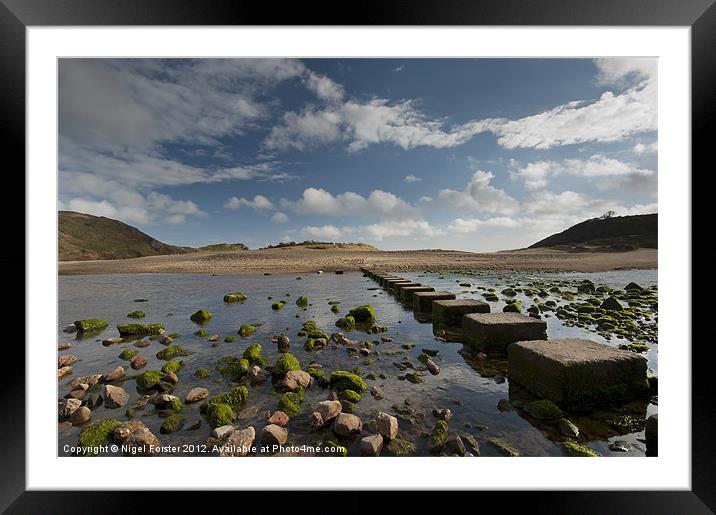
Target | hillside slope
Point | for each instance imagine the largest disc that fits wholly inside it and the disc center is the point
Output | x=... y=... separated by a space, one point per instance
x=84 y=237
x=614 y=233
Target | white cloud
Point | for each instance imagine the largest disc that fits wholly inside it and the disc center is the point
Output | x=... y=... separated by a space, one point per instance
x=399 y=69
x=425 y=199
x=325 y=231
x=259 y=203
x=417 y=228
x=617 y=69
x=279 y=218
x=317 y=201
x=480 y=195
x=641 y=148
x=467 y=225
x=604 y=171
x=324 y=88
x=410 y=179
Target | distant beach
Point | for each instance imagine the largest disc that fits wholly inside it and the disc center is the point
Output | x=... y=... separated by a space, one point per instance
x=303 y=260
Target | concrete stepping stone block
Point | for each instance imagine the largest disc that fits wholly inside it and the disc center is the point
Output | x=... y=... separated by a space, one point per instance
x=423 y=300
x=406 y=292
x=449 y=313
x=491 y=333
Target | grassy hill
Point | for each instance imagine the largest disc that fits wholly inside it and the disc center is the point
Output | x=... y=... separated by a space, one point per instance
x=612 y=233
x=84 y=237
x=219 y=247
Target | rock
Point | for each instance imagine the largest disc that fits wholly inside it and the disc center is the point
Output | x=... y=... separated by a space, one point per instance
x=78 y=394
x=443 y=414
x=195 y=424
x=138 y=362
x=142 y=343
x=167 y=340
x=115 y=375
x=432 y=367
x=494 y=332
x=114 y=396
x=423 y=300
x=64 y=345
x=283 y=342
x=279 y=418
x=142 y=401
x=315 y=420
x=377 y=392
x=455 y=445
x=611 y=304
x=504 y=405
x=171 y=378
x=66 y=360
x=567 y=428
x=258 y=375
x=651 y=432
x=371 y=445
x=400 y=447
x=164 y=400
x=90 y=380
x=122 y=432
x=438 y=437
x=573 y=372
x=449 y=313
x=141 y=442
x=347 y=424
x=64 y=371
x=240 y=443
x=222 y=432
x=197 y=394
x=619 y=446
x=67 y=407
x=111 y=341
x=64 y=426
x=481 y=356
x=329 y=409
x=387 y=425
x=632 y=286
x=95 y=400
x=274 y=435
x=543 y=410
x=70 y=329
x=296 y=378
x=214 y=338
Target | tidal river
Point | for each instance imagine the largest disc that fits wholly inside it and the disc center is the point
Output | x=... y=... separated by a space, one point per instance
x=484 y=405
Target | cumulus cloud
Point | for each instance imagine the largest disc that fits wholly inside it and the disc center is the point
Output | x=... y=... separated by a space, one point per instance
x=326 y=231
x=259 y=203
x=410 y=179
x=324 y=87
x=317 y=201
x=617 y=69
x=417 y=228
x=641 y=148
x=467 y=225
x=479 y=195
x=279 y=218
x=604 y=171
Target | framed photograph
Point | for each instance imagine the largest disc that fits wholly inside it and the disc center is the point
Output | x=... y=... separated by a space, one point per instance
x=445 y=237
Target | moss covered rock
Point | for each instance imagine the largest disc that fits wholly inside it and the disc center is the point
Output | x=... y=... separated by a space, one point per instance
x=139 y=329
x=172 y=366
x=235 y=297
x=170 y=352
x=311 y=330
x=342 y=380
x=364 y=313
x=235 y=398
x=128 y=354
x=173 y=422
x=97 y=434
x=219 y=414
x=149 y=379
x=232 y=368
x=513 y=307
x=350 y=395
x=572 y=448
x=284 y=364
x=439 y=436
x=400 y=447
x=91 y=324
x=201 y=316
x=201 y=333
x=254 y=354
x=302 y=301
x=290 y=402
x=230 y=339
x=347 y=323
x=544 y=410
x=246 y=330
x=136 y=314
x=202 y=373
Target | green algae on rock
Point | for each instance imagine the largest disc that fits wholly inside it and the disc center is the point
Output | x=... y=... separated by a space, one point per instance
x=149 y=379
x=234 y=297
x=347 y=323
x=439 y=436
x=290 y=402
x=202 y=373
x=96 y=435
x=172 y=423
x=219 y=414
x=170 y=352
x=543 y=410
x=302 y=301
x=364 y=313
x=311 y=330
x=172 y=366
x=286 y=363
x=502 y=447
x=89 y=325
x=342 y=380
x=201 y=316
x=139 y=329
x=232 y=368
x=136 y=314
x=253 y=354
x=246 y=330
x=201 y=333
x=128 y=354
x=572 y=448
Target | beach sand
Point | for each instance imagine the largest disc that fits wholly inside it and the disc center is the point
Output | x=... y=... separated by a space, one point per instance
x=305 y=260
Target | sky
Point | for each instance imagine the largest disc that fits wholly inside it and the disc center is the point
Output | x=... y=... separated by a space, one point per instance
x=468 y=154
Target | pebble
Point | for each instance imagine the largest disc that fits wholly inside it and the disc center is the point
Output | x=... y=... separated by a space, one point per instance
x=81 y=415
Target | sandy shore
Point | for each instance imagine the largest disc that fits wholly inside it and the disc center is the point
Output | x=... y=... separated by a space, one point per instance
x=285 y=260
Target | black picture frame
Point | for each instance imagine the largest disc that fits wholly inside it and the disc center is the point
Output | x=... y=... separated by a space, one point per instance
x=17 y=15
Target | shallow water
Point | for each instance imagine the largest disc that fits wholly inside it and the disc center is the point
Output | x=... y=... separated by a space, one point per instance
x=471 y=392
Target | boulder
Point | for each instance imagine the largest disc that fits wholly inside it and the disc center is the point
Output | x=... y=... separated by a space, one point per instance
x=387 y=425
x=279 y=418
x=274 y=435
x=122 y=432
x=455 y=445
x=115 y=375
x=222 y=432
x=443 y=414
x=371 y=445
x=611 y=304
x=141 y=442
x=197 y=394
x=329 y=409
x=81 y=415
x=258 y=375
x=138 y=362
x=66 y=360
x=347 y=424
x=64 y=371
x=68 y=406
x=651 y=432
x=95 y=400
x=240 y=443
x=315 y=420
x=114 y=396
x=171 y=378
x=296 y=379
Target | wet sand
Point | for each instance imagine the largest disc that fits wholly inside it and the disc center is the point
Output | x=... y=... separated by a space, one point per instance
x=305 y=260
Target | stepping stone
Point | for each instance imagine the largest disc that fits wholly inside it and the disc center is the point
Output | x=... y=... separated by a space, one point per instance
x=397 y=288
x=449 y=313
x=577 y=373
x=423 y=300
x=384 y=280
x=406 y=292
x=390 y=283
x=491 y=333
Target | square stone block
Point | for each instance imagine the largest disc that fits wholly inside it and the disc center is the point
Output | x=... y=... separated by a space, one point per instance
x=449 y=313
x=491 y=333
x=391 y=283
x=577 y=373
x=384 y=280
x=398 y=287
x=406 y=293
x=423 y=300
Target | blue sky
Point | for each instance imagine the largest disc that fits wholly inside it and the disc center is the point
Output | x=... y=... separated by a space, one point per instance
x=471 y=154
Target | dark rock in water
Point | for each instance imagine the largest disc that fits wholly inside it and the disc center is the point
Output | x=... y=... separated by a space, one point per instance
x=70 y=329
x=652 y=435
x=567 y=428
x=95 y=400
x=195 y=424
x=82 y=415
x=611 y=304
x=620 y=446
x=315 y=421
x=443 y=414
x=504 y=405
x=632 y=286
x=142 y=343
x=455 y=445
